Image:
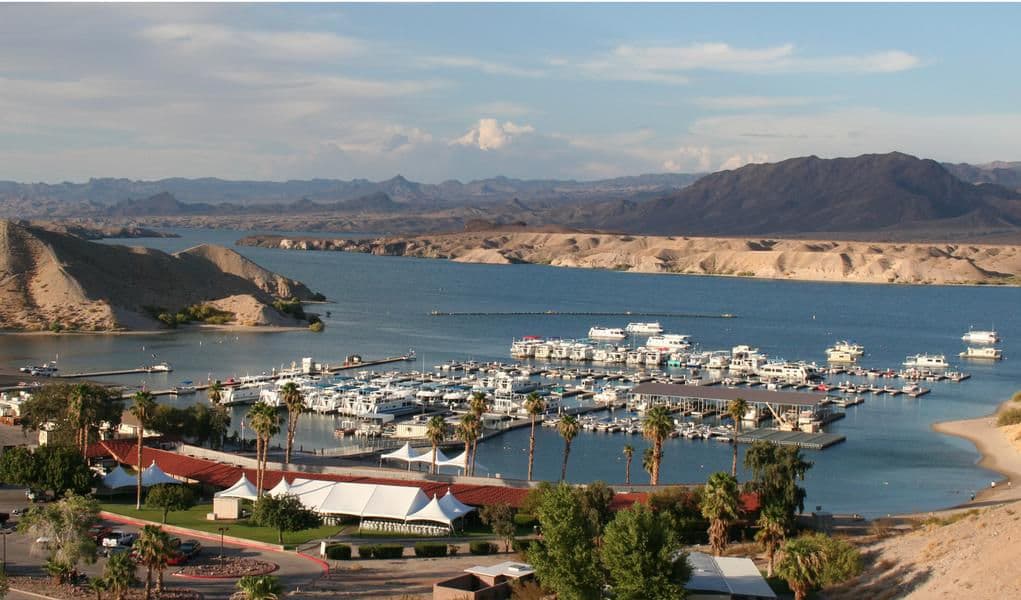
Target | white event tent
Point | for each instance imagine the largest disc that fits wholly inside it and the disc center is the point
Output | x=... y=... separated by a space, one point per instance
x=243 y=489
x=119 y=478
x=154 y=475
x=407 y=454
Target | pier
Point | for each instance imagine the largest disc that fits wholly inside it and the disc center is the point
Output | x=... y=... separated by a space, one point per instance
x=800 y=439
x=568 y=313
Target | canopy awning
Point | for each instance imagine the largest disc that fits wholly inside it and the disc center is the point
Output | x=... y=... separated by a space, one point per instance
x=242 y=489
x=451 y=505
x=404 y=453
x=394 y=502
x=154 y=475
x=460 y=461
x=427 y=457
x=280 y=489
x=433 y=512
x=119 y=478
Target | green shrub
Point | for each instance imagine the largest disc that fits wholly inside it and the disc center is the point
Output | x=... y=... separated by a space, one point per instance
x=521 y=546
x=1010 y=416
x=168 y=319
x=388 y=551
x=338 y=552
x=523 y=519
x=430 y=549
x=367 y=551
x=480 y=548
x=316 y=326
x=290 y=307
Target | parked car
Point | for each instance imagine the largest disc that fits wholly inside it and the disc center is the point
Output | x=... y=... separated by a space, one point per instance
x=118 y=538
x=110 y=551
x=185 y=552
x=98 y=532
x=18 y=512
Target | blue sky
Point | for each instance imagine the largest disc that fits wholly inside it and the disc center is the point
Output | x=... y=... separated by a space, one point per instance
x=435 y=92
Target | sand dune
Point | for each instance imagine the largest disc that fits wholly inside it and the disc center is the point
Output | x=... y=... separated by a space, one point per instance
x=812 y=260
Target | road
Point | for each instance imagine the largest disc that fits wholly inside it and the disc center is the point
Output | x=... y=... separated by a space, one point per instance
x=25 y=558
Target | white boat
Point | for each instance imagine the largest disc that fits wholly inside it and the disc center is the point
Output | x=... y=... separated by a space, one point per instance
x=927 y=360
x=160 y=368
x=645 y=328
x=745 y=359
x=525 y=347
x=246 y=393
x=980 y=337
x=845 y=351
x=606 y=333
x=984 y=353
x=787 y=371
x=184 y=388
x=668 y=342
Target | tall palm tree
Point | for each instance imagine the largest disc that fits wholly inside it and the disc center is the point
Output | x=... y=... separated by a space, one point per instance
x=260 y=587
x=265 y=422
x=629 y=452
x=568 y=427
x=771 y=534
x=215 y=392
x=143 y=408
x=736 y=410
x=534 y=406
x=435 y=432
x=119 y=574
x=647 y=461
x=154 y=551
x=801 y=566
x=477 y=406
x=657 y=427
x=467 y=432
x=76 y=414
x=295 y=403
x=720 y=505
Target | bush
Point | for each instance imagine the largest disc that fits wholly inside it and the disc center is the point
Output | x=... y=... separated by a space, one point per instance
x=1010 y=416
x=430 y=549
x=388 y=551
x=367 y=551
x=481 y=548
x=338 y=552
x=290 y=307
x=317 y=327
x=523 y=519
x=453 y=549
x=521 y=546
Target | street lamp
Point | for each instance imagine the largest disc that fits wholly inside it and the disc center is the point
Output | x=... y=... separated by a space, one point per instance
x=222 y=530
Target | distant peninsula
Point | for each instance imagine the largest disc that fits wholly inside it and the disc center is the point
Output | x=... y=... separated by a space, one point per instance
x=768 y=258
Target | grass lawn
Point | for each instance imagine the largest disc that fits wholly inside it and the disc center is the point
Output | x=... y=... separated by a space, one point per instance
x=195 y=518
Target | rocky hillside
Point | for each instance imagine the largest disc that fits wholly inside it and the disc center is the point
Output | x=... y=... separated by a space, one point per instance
x=765 y=258
x=55 y=280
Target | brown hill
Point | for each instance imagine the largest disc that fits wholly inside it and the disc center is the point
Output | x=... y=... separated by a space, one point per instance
x=51 y=278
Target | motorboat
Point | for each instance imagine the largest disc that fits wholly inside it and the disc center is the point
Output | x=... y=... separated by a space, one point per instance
x=982 y=353
x=645 y=328
x=606 y=333
x=980 y=337
x=844 y=352
x=927 y=360
x=668 y=342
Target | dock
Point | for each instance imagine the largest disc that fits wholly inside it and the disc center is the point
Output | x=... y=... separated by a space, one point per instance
x=809 y=441
x=569 y=313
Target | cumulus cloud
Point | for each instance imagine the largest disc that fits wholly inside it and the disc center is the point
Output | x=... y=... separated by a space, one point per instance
x=490 y=134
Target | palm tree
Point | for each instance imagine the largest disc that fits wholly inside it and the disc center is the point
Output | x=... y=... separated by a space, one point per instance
x=647 y=461
x=97 y=585
x=736 y=410
x=76 y=415
x=719 y=504
x=568 y=428
x=629 y=452
x=153 y=550
x=477 y=405
x=534 y=406
x=291 y=395
x=259 y=587
x=801 y=566
x=772 y=532
x=119 y=574
x=265 y=423
x=143 y=408
x=657 y=427
x=435 y=432
x=468 y=432
x=215 y=392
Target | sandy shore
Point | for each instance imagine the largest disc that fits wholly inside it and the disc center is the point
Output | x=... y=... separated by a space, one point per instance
x=998 y=454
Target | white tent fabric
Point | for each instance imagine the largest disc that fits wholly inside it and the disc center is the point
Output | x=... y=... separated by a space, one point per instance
x=394 y=502
x=154 y=475
x=242 y=489
x=119 y=478
x=404 y=453
x=460 y=461
x=433 y=512
x=348 y=499
x=427 y=457
x=311 y=492
x=452 y=506
x=280 y=489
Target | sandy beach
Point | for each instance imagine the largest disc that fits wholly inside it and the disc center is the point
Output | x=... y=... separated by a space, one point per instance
x=998 y=452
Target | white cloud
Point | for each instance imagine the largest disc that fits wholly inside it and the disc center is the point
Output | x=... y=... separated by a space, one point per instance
x=478 y=64
x=739 y=160
x=754 y=102
x=292 y=45
x=490 y=134
x=504 y=109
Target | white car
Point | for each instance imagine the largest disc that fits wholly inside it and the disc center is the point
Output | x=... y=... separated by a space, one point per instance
x=118 y=538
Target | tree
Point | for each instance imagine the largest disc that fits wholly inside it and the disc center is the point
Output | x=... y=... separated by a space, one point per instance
x=656 y=427
x=219 y=423
x=568 y=427
x=720 y=504
x=260 y=587
x=142 y=408
x=534 y=406
x=435 y=432
x=66 y=523
x=55 y=468
x=154 y=551
x=169 y=497
x=772 y=531
x=468 y=431
x=775 y=472
x=629 y=453
x=119 y=574
x=5 y=587
x=566 y=561
x=72 y=413
x=816 y=560
x=647 y=461
x=283 y=513
x=681 y=506
x=500 y=517
x=96 y=585
x=477 y=406
x=736 y=410
x=295 y=403
x=595 y=500
x=265 y=423
x=18 y=465
x=215 y=392
x=643 y=557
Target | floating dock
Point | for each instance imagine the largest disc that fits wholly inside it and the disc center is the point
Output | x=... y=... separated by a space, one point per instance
x=810 y=441
x=568 y=313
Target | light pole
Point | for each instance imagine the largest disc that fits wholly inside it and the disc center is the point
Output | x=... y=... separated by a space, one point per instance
x=222 y=530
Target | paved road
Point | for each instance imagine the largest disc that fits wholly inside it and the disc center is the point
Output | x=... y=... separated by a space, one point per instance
x=24 y=557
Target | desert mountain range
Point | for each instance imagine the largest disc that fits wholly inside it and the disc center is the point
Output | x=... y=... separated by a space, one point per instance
x=49 y=278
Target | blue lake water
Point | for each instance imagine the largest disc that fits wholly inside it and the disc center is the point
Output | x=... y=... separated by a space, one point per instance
x=891 y=462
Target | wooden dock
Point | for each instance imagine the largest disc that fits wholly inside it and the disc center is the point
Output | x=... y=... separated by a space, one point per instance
x=809 y=441
x=568 y=313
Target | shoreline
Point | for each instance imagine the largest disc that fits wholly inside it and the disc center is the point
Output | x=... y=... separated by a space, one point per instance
x=996 y=453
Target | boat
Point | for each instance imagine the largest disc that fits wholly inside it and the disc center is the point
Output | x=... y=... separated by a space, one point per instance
x=927 y=360
x=645 y=328
x=46 y=370
x=844 y=351
x=184 y=388
x=668 y=342
x=787 y=371
x=980 y=337
x=983 y=353
x=606 y=333
x=525 y=347
x=160 y=368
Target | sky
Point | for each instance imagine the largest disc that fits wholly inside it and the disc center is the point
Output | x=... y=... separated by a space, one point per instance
x=437 y=92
